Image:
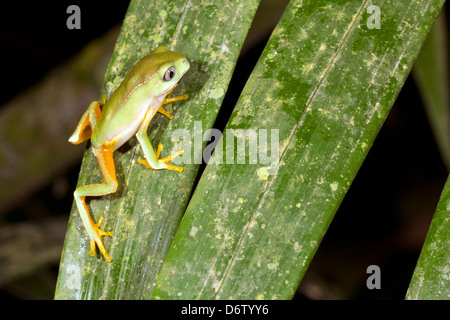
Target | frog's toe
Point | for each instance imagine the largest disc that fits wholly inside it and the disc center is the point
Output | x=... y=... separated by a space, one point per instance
x=96 y=238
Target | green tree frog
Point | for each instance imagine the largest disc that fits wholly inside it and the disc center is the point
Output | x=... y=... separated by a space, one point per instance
x=127 y=112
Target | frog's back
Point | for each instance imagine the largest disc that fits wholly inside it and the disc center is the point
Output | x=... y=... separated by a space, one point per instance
x=124 y=111
x=119 y=109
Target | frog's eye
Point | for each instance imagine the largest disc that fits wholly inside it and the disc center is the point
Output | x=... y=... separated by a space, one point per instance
x=169 y=74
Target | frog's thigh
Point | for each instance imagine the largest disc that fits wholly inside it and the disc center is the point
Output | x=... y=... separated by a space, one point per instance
x=87 y=123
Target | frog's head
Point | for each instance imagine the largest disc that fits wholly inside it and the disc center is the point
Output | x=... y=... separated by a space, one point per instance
x=162 y=69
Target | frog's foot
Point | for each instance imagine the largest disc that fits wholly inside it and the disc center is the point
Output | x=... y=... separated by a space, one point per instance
x=96 y=238
x=164 y=160
x=169 y=100
x=173 y=99
x=170 y=158
x=164 y=112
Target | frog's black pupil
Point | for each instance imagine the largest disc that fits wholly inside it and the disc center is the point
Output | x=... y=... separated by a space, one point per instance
x=170 y=73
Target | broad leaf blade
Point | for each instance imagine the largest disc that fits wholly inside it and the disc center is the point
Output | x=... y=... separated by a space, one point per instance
x=145 y=211
x=431 y=277
x=326 y=82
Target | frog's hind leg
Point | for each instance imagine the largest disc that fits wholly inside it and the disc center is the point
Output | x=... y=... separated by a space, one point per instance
x=106 y=163
x=87 y=123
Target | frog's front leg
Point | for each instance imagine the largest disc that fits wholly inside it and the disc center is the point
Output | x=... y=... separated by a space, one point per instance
x=152 y=160
x=170 y=100
x=106 y=163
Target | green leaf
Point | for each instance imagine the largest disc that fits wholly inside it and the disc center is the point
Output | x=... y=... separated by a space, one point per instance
x=431 y=75
x=431 y=277
x=326 y=82
x=146 y=210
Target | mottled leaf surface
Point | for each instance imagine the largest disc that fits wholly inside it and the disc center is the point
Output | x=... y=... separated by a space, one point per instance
x=326 y=82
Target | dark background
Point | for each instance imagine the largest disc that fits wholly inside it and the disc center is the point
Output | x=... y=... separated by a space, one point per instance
x=383 y=220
